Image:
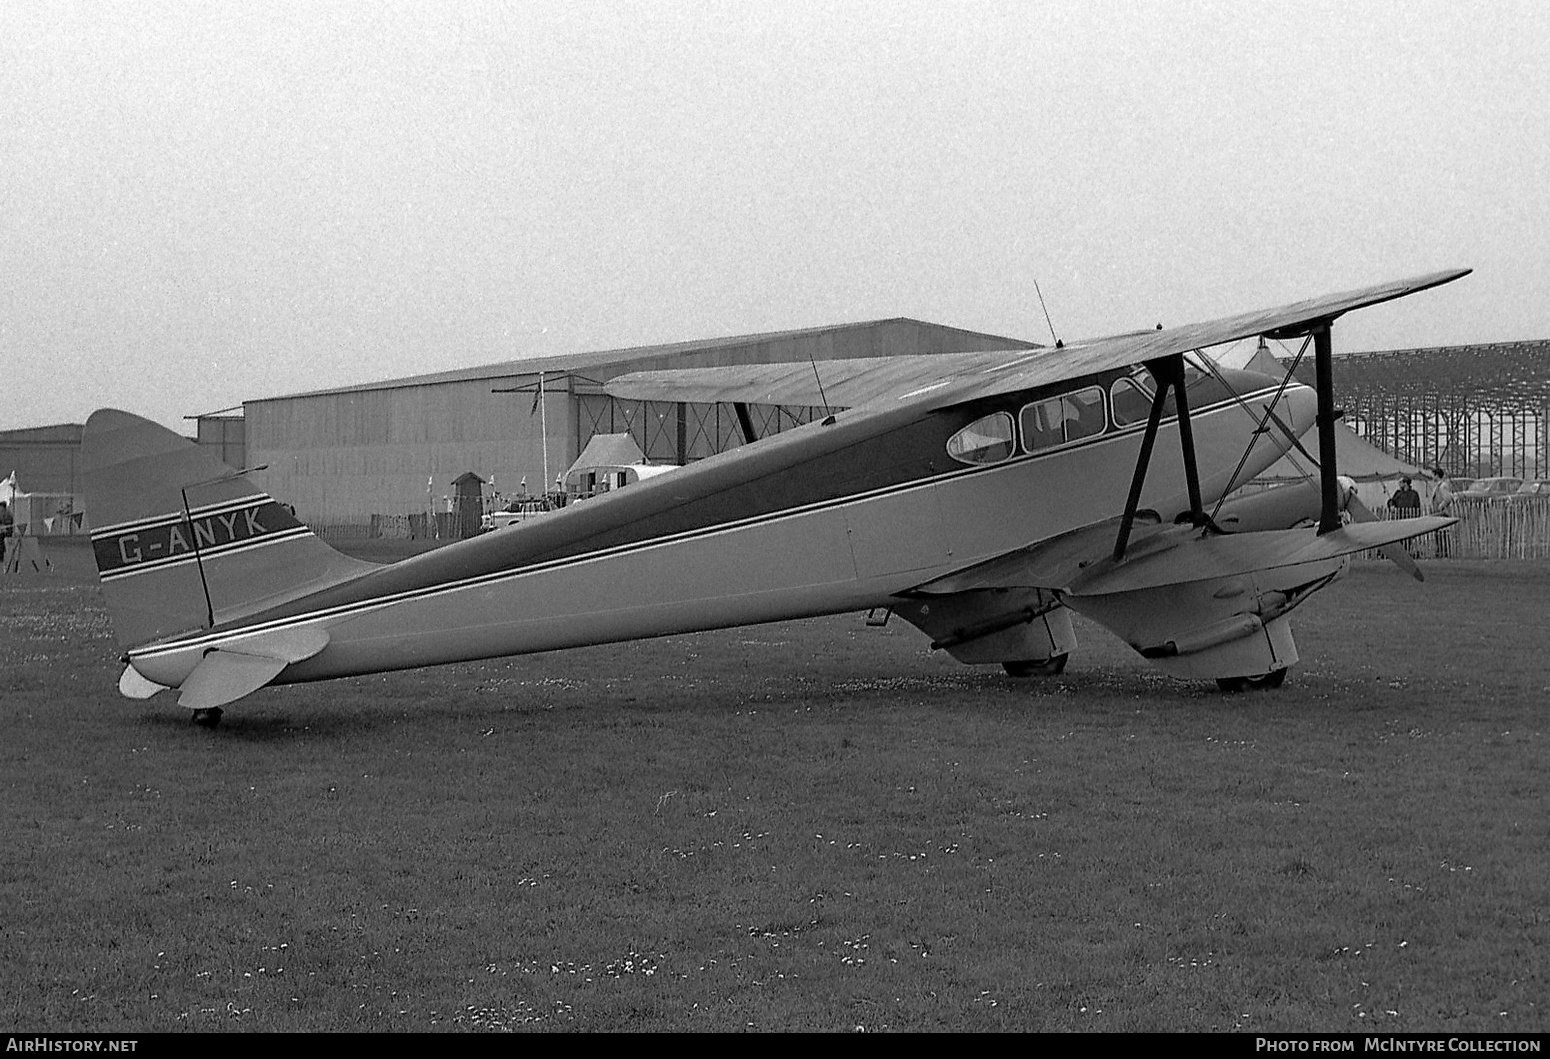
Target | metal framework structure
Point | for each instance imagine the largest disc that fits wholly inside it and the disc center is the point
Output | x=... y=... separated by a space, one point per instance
x=1476 y=410
x=681 y=431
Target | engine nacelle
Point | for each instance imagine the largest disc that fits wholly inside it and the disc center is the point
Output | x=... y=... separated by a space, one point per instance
x=994 y=625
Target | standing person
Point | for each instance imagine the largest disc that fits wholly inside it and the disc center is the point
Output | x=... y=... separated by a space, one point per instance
x=7 y=526
x=1442 y=499
x=1406 y=502
x=1442 y=496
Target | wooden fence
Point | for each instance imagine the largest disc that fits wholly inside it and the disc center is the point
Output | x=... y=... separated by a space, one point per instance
x=444 y=526
x=1518 y=529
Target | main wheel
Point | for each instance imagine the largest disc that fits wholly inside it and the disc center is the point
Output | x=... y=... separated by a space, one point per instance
x=1273 y=679
x=208 y=718
x=1047 y=667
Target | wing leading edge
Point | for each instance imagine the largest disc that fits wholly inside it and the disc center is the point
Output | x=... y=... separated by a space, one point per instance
x=835 y=383
x=950 y=379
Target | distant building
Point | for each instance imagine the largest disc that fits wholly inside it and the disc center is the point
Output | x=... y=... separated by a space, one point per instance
x=47 y=463
x=356 y=459
x=225 y=432
x=45 y=459
x=1477 y=410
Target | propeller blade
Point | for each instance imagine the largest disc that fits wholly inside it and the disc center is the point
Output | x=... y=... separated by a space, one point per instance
x=1394 y=553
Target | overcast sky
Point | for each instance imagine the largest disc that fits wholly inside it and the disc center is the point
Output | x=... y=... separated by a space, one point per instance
x=202 y=203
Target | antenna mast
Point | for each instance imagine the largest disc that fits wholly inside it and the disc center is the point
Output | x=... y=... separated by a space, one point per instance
x=1058 y=343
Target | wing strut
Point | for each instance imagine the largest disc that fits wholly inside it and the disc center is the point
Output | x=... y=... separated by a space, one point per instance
x=1197 y=514
x=1169 y=373
x=1323 y=359
x=1328 y=414
x=745 y=422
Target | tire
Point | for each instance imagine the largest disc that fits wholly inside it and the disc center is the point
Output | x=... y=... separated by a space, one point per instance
x=1232 y=685
x=1047 y=667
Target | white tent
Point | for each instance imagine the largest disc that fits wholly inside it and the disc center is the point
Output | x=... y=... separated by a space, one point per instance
x=1376 y=473
x=608 y=450
x=610 y=461
x=1355 y=457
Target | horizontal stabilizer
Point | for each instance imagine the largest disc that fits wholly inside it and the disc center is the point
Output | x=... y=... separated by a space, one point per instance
x=288 y=645
x=225 y=676
x=132 y=685
x=1181 y=555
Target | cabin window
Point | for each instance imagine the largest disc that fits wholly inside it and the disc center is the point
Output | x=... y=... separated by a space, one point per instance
x=1131 y=402
x=989 y=439
x=1069 y=417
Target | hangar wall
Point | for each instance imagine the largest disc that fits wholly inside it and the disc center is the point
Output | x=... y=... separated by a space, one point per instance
x=342 y=458
x=354 y=458
x=45 y=459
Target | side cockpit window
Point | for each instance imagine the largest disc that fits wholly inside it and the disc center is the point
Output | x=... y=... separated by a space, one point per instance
x=1058 y=420
x=989 y=439
x=1132 y=403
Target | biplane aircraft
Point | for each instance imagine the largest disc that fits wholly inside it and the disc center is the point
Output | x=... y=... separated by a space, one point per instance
x=981 y=497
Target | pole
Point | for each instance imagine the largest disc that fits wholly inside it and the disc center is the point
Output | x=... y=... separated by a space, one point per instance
x=543 y=426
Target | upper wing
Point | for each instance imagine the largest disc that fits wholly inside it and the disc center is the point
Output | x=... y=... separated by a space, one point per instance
x=831 y=383
x=955 y=378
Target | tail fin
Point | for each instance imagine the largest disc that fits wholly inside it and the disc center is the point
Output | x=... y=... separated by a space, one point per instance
x=183 y=541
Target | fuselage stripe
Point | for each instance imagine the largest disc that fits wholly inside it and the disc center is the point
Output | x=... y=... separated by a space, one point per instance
x=206 y=552
x=170 y=518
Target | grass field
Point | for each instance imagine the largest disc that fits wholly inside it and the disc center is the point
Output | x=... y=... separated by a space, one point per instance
x=802 y=826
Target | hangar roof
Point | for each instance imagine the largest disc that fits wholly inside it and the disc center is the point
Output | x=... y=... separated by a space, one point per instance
x=1504 y=374
x=57 y=434
x=898 y=335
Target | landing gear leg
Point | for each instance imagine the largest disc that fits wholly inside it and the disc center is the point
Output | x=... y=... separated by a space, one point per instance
x=1048 y=667
x=207 y=718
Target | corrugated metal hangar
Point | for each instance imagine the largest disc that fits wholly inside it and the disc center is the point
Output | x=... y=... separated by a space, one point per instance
x=1473 y=410
x=372 y=459
x=46 y=462
x=44 y=459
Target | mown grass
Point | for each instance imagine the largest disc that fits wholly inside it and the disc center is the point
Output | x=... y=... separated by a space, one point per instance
x=810 y=825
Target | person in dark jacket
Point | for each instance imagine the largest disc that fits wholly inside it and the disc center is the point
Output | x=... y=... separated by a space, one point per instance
x=1406 y=502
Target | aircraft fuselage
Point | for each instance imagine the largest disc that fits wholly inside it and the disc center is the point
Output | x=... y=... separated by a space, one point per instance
x=836 y=516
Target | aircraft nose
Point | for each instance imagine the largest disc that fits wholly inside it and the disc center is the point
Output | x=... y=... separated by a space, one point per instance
x=1298 y=406
x=1301 y=408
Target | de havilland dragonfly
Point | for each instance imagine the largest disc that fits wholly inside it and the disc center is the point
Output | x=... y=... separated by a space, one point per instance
x=981 y=497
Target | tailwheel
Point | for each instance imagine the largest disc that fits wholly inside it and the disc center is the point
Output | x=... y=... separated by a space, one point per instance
x=1274 y=679
x=207 y=718
x=1045 y=667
